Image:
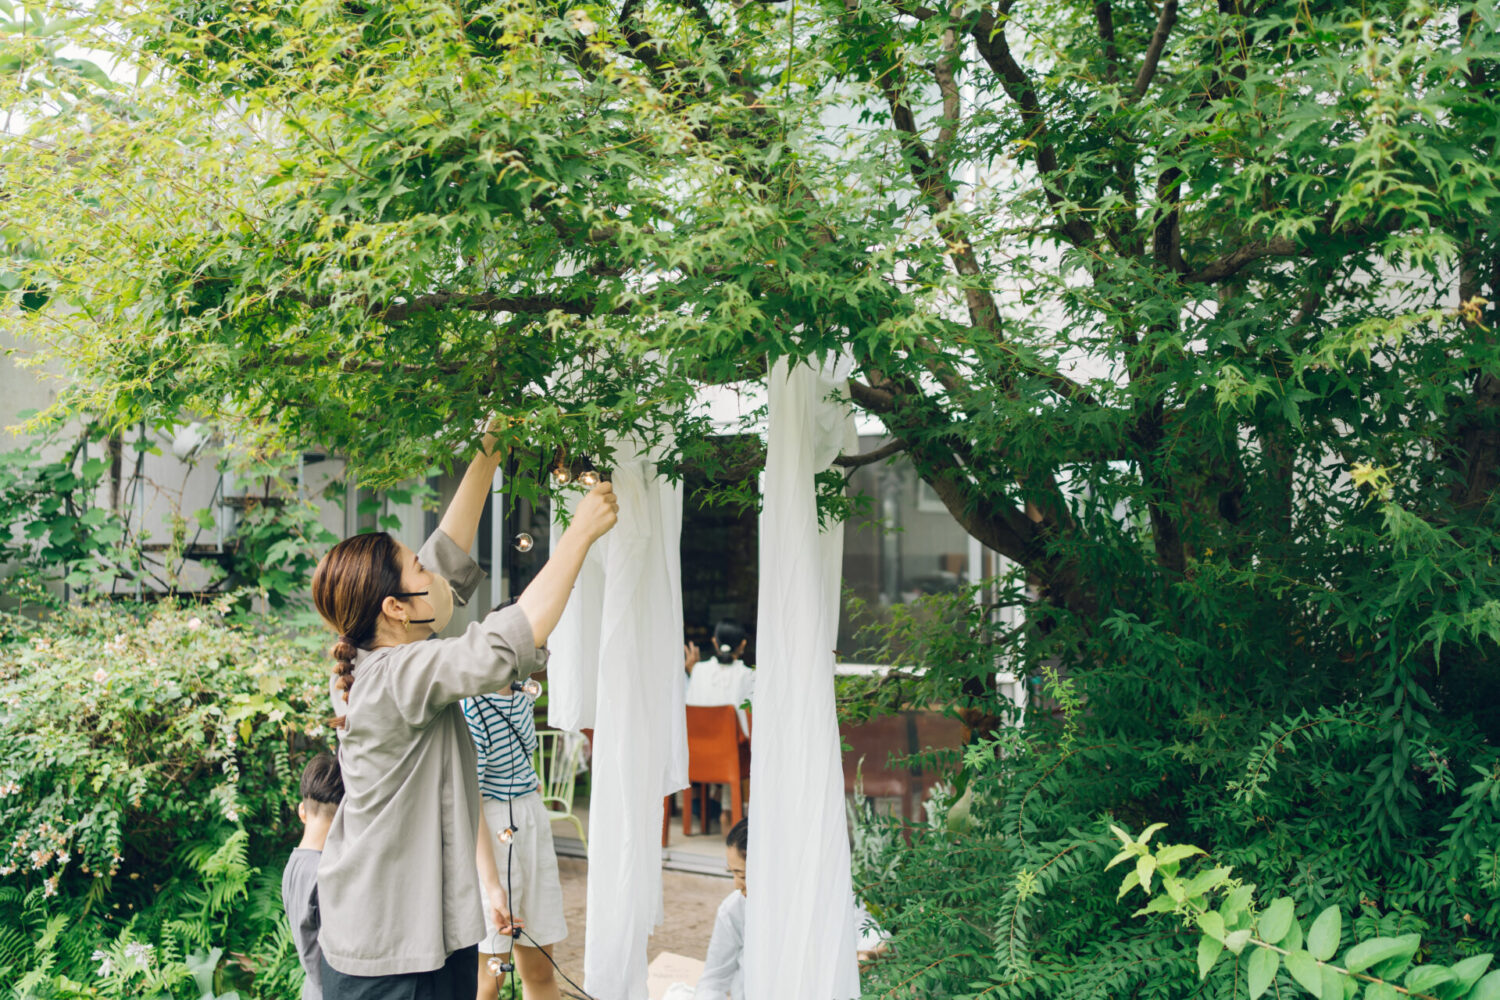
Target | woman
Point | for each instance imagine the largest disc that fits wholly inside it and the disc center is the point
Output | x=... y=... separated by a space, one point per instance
x=400 y=904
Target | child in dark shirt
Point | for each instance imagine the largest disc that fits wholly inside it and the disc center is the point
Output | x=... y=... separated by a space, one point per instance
x=322 y=790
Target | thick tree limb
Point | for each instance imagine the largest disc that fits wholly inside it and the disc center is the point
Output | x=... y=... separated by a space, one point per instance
x=1166 y=237
x=1158 y=44
x=932 y=180
x=989 y=39
x=894 y=447
x=1104 y=17
x=947 y=83
x=1232 y=263
x=640 y=43
x=870 y=398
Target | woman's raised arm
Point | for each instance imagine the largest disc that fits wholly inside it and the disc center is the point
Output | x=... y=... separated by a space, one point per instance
x=461 y=519
x=547 y=594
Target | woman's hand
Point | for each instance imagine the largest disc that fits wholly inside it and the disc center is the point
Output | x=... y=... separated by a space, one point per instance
x=545 y=597
x=597 y=512
x=500 y=914
x=690 y=656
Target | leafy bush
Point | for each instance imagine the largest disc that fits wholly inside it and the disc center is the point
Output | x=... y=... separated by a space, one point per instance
x=53 y=526
x=1338 y=752
x=1228 y=917
x=149 y=759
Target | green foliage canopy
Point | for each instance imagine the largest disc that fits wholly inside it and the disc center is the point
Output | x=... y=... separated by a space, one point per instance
x=1185 y=309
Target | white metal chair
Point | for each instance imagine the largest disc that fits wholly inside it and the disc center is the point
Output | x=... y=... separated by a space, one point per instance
x=557 y=761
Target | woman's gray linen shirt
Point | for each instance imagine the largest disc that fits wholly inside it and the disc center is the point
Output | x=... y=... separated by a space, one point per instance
x=397 y=886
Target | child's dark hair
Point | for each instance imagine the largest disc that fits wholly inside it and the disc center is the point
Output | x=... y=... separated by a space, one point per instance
x=322 y=783
x=738 y=837
x=728 y=635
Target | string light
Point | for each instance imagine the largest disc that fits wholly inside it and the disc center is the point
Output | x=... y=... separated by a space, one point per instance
x=523 y=542
x=530 y=687
x=507 y=835
x=499 y=968
x=590 y=478
x=560 y=476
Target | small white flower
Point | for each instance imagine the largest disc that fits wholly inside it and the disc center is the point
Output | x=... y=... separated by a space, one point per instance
x=139 y=952
x=101 y=675
x=106 y=964
x=63 y=857
x=9 y=788
x=49 y=886
x=195 y=623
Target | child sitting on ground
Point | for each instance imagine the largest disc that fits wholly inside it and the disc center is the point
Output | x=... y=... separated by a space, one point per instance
x=322 y=790
x=723 y=972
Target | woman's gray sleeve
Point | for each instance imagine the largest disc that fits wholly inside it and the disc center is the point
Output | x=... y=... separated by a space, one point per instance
x=428 y=676
x=442 y=555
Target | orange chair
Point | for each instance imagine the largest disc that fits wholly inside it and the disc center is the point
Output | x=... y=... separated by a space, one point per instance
x=718 y=753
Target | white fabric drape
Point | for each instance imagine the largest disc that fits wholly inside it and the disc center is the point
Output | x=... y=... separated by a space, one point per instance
x=799 y=933
x=573 y=667
x=616 y=666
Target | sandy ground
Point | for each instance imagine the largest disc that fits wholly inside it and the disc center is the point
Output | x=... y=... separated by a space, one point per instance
x=692 y=901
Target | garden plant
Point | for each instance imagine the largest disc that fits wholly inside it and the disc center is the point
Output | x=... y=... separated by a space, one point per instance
x=1187 y=310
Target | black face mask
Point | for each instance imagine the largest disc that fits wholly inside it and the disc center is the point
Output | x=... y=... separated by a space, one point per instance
x=440 y=596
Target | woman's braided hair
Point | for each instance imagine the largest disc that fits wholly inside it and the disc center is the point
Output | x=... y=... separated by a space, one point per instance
x=349 y=585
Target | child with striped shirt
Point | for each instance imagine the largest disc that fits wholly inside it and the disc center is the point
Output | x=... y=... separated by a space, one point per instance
x=504 y=732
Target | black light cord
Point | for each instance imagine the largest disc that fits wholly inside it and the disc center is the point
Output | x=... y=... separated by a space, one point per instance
x=516 y=932
x=510 y=854
x=580 y=995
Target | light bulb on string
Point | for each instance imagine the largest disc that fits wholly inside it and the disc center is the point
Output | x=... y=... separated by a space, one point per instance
x=589 y=478
x=560 y=476
x=530 y=687
x=506 y=835
x=523 y=542
x=494 y=966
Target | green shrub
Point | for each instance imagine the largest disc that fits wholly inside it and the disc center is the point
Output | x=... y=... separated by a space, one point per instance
x=149 y=759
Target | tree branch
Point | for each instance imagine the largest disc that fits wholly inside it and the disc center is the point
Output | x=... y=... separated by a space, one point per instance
x=485 y=302
x=943 y=72
x=872 y=399
x=1231 y=264
x=894 y=447
x=1158 y=43
x=936 y=186
x=989 y=38
x=1105 y=18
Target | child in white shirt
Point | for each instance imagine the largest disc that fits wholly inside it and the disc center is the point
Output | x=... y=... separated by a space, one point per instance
x=723 y=971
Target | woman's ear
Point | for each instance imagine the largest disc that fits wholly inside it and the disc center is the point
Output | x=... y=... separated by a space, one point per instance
x=394 y=609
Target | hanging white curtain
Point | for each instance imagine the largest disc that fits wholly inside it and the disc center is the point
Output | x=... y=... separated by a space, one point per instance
x=800 y=926
x=616 y=666
x=573 y=666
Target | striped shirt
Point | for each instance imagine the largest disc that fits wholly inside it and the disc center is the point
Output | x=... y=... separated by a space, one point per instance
x=505 y=770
